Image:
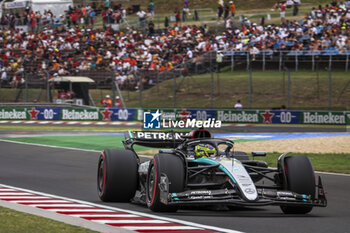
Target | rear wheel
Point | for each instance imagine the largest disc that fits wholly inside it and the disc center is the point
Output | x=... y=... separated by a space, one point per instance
x=113 y=168
x=300 y=178
x=172 y=166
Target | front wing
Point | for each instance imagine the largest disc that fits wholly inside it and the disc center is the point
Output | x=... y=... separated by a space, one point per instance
x=233 y=197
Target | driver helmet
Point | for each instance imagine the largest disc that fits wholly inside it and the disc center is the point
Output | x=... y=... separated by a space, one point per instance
x=205 y=151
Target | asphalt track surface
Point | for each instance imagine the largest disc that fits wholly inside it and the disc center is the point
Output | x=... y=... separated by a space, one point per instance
x=72 y=173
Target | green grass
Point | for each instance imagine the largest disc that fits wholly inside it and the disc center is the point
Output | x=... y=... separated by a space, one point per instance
x=308 y=90
x=322 y=162
x=22 y=128
x=14 y=222
x=82 y=142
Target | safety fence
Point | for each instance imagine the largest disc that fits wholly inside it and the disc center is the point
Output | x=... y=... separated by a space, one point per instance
x=250 y=116
x=289 y=78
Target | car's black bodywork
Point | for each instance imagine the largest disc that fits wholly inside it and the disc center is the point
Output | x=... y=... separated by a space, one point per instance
x=176 y=177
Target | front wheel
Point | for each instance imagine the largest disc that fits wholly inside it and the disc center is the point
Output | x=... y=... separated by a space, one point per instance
x=117 y=175
x=300 y=178
x=173 y=167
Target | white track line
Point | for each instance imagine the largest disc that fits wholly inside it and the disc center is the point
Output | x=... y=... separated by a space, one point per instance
x=92 y=209
x=129 y=221
x=21 y=194
x=24 y=197
x=104 y=215
x=161 y=228
x=59 y=147
x=332 y=173
x=59 y=205
x=39 y=201
x=188 y=225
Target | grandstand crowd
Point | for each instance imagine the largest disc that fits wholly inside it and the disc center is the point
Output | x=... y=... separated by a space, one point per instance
x=77 y=46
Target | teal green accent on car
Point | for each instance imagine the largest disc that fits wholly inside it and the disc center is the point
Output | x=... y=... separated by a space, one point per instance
x=213 y=162
x=175 y=196
x=304 y=198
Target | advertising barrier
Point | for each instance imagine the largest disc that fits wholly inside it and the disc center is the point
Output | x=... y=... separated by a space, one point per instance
x=133 y=114
x=13 y=114
x=68 y=114
x=323 y=117
x=347 y=118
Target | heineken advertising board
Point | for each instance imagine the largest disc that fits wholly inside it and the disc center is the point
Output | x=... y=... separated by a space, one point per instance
x=282 y=117
x=238 y=116
x=68 y=114
x=323 y=117
x=258 y=116
x=13 y=114
x=223 y=115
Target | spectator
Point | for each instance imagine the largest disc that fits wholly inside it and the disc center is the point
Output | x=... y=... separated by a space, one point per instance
x=142 y=18
x=282 y=7
x=107 y=102
x=3 y=76
x=238 y=105
x=177 y=15
x=226 y=10
x=118 y=103
x=151 y=28
x=289 y=3
x=295 y=9
x=92 y=17
x=79 y=48
x=151 y=8
x=232 y=9
x=186 y=7
x=220 y=11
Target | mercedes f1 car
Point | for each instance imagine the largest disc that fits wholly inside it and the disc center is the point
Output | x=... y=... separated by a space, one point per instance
x=196 y=169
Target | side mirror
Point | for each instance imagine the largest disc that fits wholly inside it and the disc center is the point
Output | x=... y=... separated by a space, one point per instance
x=258 y=154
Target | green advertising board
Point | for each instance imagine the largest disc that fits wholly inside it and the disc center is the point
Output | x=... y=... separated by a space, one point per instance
x=76 y=114
x=323 y=117
x=14 y=114
x=347 y=118
x=239 y=116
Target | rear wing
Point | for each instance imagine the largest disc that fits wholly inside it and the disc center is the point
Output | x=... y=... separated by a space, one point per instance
x=155 y=139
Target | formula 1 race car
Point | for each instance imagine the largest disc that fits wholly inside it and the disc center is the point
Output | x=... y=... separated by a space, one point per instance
x=197 y=169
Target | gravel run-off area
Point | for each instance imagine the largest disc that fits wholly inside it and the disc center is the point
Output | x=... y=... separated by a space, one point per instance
x=335 y=144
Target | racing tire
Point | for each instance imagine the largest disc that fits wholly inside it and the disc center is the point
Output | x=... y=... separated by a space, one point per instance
x=173 y=167
x=300 y=178
x=117 y=175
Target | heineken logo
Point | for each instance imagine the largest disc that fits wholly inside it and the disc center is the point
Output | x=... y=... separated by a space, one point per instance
x=79 y=114
x=106 y=114
x=323 y=118
x=13 y=114
x=33 y=113
x=242 y=116
x=267 y=115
